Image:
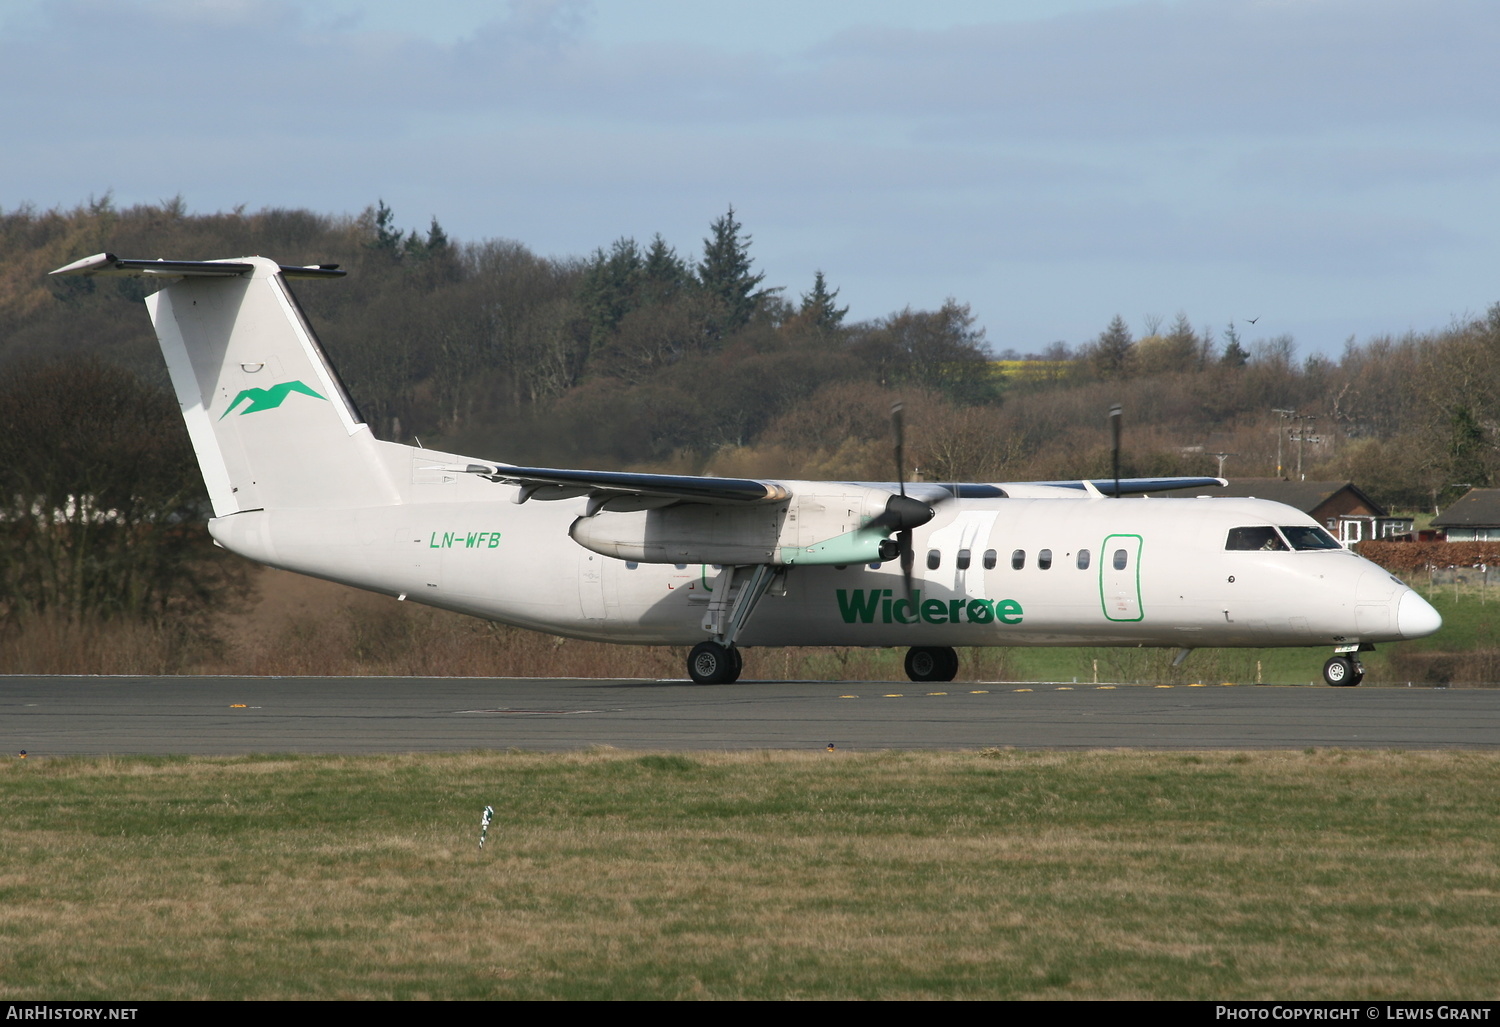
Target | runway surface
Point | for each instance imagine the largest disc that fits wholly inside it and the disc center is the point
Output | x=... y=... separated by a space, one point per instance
x=216 y=715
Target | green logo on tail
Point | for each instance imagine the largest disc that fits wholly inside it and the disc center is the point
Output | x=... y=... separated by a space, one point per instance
x=268 y=399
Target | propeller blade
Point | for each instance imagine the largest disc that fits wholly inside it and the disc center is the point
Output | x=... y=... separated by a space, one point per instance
x=898 y=427
x=902 y=513
x=1114 y=427
x=908 y=558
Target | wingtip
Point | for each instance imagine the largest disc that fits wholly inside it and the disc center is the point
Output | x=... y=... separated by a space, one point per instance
x=86 y=266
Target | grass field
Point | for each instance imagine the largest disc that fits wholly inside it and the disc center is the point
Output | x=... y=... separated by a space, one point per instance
x=995 y=874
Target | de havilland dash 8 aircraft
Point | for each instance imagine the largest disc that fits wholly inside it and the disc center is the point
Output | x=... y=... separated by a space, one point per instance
x=298 y=481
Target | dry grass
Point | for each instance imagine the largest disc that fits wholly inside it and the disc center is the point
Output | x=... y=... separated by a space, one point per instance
x=1000 y=874
x=52 y=644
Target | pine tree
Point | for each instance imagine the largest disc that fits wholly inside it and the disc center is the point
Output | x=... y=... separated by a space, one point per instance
x=611 y=286
x=387 y=236
x=725 y=273
x=1183 y=344
x=1235 y=355
x=666 y=275
x=1113 y=353
x=818 y=309
x=437 y=239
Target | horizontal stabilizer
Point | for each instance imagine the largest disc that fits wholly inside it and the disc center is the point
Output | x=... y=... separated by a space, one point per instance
x=109 y=264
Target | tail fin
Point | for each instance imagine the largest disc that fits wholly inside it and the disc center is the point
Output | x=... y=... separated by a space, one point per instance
x=272 y=425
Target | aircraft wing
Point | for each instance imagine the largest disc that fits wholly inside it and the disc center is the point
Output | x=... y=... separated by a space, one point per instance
x=1134 y=486
x=933 y=492
x=618 y=488
x=604 y=486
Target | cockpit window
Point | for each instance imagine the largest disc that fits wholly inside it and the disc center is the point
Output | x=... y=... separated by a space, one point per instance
x=1308 y=536
x=1259 y=538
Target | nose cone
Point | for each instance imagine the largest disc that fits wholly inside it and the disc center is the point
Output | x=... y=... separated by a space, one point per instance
x=1415 y=617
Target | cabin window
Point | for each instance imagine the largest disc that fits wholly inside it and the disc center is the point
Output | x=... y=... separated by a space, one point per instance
x=1044 y=560
x=963 y=559
x=1121 y=559
x=934 y=558
x=1083 y=559
x=1018 y=559
x=1262 y=538
x=1307 y=536
x=990 y=559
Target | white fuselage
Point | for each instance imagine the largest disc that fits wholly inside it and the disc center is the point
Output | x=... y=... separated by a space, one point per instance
x=463 y=543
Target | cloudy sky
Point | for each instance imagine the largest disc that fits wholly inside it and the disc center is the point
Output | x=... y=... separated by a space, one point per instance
x=1331 y=167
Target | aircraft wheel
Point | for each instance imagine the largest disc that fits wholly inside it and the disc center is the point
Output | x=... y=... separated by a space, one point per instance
x=931 y=663
x=1342 y=672
x=713 y=664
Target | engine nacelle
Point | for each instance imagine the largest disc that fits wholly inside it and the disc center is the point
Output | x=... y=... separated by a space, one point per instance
x=826 y=524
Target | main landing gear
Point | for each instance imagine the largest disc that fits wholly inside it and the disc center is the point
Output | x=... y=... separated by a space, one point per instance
x=1343 y=670
x=713 y=664
x=931 y=663
x=736 y=592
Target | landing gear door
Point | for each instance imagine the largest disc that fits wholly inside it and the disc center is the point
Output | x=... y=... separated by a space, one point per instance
x=1120 y=578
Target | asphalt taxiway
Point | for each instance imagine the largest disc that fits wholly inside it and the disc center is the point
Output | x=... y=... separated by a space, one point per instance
x=227 y=715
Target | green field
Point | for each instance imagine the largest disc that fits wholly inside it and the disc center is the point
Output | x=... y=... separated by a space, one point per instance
x=995 y=874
